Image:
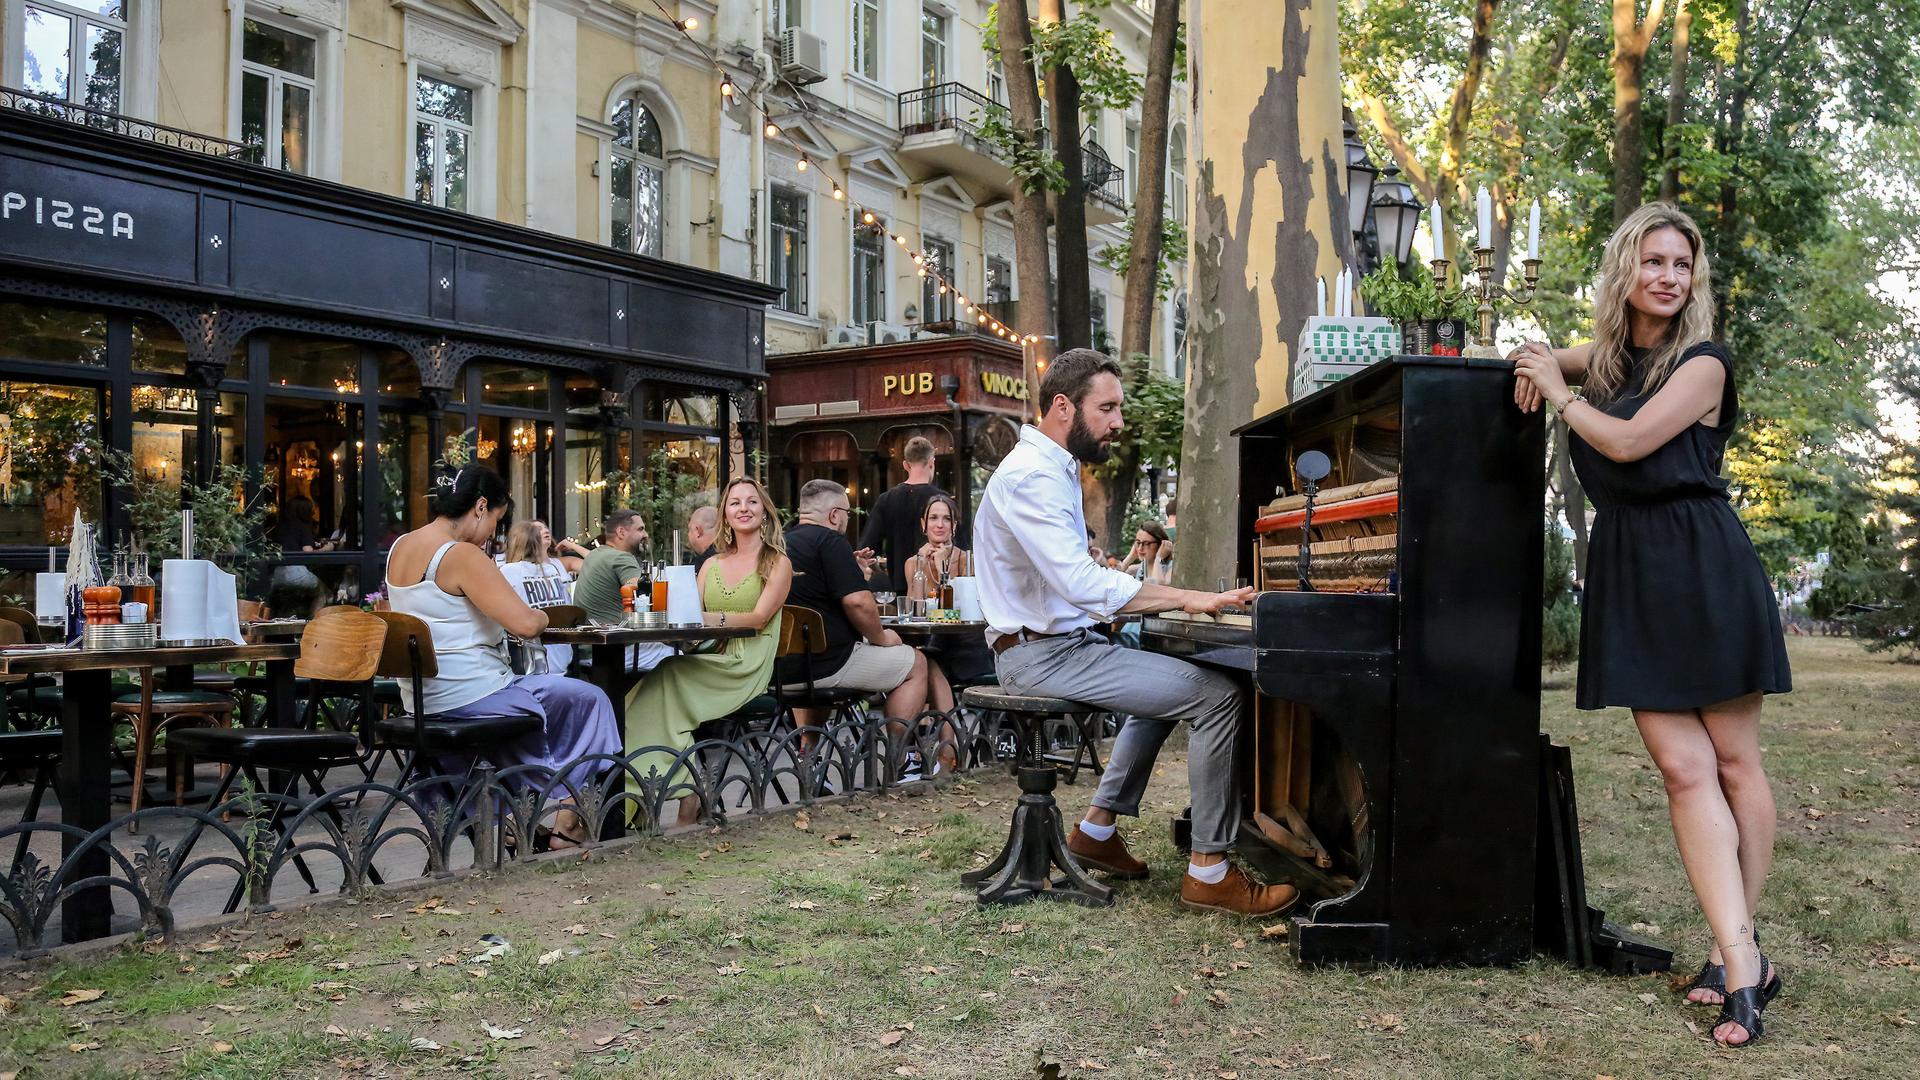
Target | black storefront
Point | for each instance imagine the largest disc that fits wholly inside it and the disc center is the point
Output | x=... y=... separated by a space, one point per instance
x=195 y=311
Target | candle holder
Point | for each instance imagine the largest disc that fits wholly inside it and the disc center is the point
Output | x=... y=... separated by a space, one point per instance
x=1486 y=290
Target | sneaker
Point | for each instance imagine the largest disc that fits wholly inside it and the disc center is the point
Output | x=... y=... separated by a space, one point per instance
x=1109 y=855
x=910 y=767
x=1238 y=894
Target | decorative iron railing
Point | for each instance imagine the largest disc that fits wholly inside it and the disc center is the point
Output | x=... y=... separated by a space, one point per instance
x=55 y=108
x=245 y=847
x=948 y=106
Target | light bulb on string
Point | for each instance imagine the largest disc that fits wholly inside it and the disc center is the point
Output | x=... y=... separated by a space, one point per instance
x=943 y=289
x=726 y=87
x=838 y=193
x=773 y=130
x=803 y=163
x=866 y=218
x=688 y=24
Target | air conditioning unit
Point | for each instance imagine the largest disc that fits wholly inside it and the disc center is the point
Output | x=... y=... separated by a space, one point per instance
x=886 y=333
x=841 y=337
x=803 y=56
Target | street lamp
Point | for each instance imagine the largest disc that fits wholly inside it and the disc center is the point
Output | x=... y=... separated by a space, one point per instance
x=1395 y=215
x=1360 y=174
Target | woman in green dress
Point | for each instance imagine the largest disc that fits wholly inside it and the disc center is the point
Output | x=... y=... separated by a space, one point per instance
x=743 y=584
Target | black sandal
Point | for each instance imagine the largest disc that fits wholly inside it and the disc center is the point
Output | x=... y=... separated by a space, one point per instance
x=1742 y=1008
x=1712 y=977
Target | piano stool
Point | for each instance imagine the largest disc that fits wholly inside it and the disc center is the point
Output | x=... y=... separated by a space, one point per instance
x=1037 y=841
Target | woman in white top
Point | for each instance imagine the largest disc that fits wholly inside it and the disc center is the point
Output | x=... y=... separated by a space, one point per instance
x=540 y=578
x=439 y=574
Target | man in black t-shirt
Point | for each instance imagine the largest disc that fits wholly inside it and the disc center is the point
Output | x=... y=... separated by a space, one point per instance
x=861 y=654
x=893 y=526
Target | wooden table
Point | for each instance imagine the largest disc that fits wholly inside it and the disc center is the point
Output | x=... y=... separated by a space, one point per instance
x=607 y=645
x=84 y=781
x=273 y=630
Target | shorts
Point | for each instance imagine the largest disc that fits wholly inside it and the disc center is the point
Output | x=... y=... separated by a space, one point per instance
x=879 y=668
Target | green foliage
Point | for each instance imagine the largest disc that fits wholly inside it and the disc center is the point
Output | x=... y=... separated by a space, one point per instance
x=50 y=439
x=1391 y=296
x=228 y=527
x=1081 y=45
x=1028 y=157
x=1155 y=414
x=662 y=492
x=1173 y=239
x=1560 y=615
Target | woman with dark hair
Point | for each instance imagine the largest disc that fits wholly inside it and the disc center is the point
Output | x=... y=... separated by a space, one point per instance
x=1151 y=558
x=743 y=584
x=964 y=660
x=1678 y=623
x=440 y=574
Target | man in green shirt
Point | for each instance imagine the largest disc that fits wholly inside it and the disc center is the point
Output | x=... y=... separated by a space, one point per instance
x=609 y=566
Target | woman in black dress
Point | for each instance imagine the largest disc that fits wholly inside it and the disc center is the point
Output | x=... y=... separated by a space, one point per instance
x=1678 y=623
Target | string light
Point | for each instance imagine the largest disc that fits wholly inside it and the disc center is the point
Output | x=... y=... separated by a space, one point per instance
x=730 y=94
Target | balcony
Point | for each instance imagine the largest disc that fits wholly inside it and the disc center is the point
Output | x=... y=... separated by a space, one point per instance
x=101 y=120
x=940 y=127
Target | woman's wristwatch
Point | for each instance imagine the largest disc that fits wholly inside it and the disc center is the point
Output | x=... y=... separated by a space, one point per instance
x=1573 y=395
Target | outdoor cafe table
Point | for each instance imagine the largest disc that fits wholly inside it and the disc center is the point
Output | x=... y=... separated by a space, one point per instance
x=607 y=645
x=922 y=631
x=84 y=781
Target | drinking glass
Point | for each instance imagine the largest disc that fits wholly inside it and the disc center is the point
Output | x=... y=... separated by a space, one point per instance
x=885 y=599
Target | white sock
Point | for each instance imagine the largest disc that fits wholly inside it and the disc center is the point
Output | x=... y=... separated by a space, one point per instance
x=1208 y=875
x=1096 y=832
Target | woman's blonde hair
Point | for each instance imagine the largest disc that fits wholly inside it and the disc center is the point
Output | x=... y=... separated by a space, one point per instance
x=773 y=542
x=1608 y=367
x=523 y=542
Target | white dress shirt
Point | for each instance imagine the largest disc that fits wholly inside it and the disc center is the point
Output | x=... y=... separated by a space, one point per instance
x=1030 y=547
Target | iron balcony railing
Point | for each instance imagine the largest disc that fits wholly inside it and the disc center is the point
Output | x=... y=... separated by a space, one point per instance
x=952 y=106
x=55 y=108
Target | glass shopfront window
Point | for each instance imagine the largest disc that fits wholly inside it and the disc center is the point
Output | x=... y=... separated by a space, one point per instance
x=516 y=387
x=521 y=452
x=31 y=330
x=315 y=363
x=405 y=463
x=157 y=347
x=313 y=460
x=672 y=406
x=50 y=460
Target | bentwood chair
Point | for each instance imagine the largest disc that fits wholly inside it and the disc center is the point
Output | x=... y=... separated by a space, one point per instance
x=339 y=656
x=26 y=701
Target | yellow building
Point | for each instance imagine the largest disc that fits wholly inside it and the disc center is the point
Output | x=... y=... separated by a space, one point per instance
x=602 y=120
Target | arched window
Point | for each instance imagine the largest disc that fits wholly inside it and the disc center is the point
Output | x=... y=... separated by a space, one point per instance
x=639 y=172
x=1177 y=174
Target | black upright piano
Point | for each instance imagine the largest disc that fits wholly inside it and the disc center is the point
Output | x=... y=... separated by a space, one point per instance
x=1392 y=765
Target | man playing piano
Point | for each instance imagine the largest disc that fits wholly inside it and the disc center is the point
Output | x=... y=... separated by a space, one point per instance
x=1043 y=598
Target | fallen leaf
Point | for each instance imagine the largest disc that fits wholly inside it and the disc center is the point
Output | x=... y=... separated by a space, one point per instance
x=423 y=1045
x=730 y=969
x=229 y=1008
x=577 y=929
x=894 y=1037
x=550 y=957
x=1217 y=999
x=494 y=1032
x=802 y=821
x=1012 y=927
x=336 y=1029
x=427 y=905
x=1391 y=1023
x=1833 y=1048
x=223 y=1048
x=1239 y=943
x=605 y=1040
x=1227 y=1074
x=1179 y=996
x=80 y=997
x=906 y=1070
x=801 y=905
x=1536 y=1041
x=81 y=1048
x=7 y=1005
x=1649 y=999
x=1089 y=1063
x=1276 y=930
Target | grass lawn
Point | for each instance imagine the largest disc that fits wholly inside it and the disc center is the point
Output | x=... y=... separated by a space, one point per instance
x=839 y=944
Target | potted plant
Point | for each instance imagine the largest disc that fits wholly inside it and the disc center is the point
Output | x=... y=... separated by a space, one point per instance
x=1390 y=296
x=1446 y=316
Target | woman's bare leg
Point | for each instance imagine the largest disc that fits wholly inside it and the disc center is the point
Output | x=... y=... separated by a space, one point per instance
x=1734 y=727
x=1709 y=841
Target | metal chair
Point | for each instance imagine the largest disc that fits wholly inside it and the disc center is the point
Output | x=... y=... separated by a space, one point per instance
x=407 y=654
x=338 y=658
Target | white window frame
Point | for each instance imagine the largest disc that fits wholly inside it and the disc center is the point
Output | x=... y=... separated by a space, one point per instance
x=810 y=299
x=944 y=42
x=677 y=190
x=1177 y=177
x=784 y=13
x=930 y=299
x=1132 y=140
x=860 y=13
x=325 y=22
x=138 y=48
x=452 y=55
x=640 y=160
x=441 y=126
x=854 y=228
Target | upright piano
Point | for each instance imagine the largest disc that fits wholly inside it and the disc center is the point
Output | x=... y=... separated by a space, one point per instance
x=1391 y=768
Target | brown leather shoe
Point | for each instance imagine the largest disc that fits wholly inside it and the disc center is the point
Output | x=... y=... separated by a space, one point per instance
x=1110 y=855
x=1237 y=894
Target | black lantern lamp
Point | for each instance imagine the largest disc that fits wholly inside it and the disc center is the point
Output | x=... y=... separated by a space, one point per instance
x=1396 y=214
x=1360 y=174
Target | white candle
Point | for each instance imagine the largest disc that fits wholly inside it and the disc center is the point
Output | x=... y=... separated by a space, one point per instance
x=1485 y=236
x=1346 y=293
x=1439 y=228
x=1320 y=296
x=1533 y=231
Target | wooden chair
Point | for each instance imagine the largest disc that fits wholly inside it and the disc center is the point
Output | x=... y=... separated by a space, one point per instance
x=407 y=655
x=803 y=633
x=152 y=711
x=339 y=657
x=25 y=697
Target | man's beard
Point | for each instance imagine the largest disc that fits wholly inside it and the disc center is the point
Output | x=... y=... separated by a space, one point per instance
x=1082 y=444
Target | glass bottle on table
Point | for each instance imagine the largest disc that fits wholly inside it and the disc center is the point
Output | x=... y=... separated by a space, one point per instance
x=946 y=589
x=919 y=594
x=659 y=588
x=140 y=586
x=644 y=589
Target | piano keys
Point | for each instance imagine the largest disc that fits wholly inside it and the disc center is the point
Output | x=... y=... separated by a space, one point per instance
x=1391 y=768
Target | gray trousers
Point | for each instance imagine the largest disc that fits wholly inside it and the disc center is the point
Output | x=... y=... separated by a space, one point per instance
x=1155 y=691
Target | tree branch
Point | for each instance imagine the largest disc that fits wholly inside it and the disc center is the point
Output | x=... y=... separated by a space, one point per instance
x=1403 y=154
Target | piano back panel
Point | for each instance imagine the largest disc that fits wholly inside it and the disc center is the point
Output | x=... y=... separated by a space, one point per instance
x=1468 y=703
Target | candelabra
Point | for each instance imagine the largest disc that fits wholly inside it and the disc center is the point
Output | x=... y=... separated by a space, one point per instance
x=1486 y=290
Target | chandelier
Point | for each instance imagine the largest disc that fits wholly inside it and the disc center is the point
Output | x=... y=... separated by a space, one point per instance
x=305 y=465
x=522 y=440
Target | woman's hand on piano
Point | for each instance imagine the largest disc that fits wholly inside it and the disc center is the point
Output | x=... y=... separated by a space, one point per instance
x=1537 y=376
